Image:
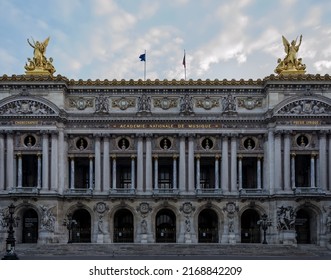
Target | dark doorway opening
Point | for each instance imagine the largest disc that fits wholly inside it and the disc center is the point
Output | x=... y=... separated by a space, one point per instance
x=81 y=232
x=123 y=226
x=208 y=226
x=165 y=226
x=250 y=231
x=30 y=226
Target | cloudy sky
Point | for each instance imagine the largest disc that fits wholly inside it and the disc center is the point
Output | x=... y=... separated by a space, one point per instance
x=223 y=39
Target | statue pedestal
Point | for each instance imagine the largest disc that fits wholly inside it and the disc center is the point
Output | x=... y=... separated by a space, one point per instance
x=292 y=72
x=100 y=238
x=232 y=238
x=288 y=237
x=187 y=238
x=44 y=236
x=143 y=238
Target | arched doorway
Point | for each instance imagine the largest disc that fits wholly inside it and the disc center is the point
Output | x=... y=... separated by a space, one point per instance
x=30 y=226
x=305 y=227
x=81 y=231
x=208 y=226
x=250 y=231
x=165 y=226
x=123 y=226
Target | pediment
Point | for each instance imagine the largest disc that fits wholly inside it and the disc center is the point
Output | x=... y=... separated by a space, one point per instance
x=305 y=106
x=28 y=107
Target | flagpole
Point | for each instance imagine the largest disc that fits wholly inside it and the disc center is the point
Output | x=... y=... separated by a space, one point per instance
x=145 y=67
x=184 y=63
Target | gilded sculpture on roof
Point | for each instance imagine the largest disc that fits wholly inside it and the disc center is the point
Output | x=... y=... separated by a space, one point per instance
x=291 y=64
x=39 y=64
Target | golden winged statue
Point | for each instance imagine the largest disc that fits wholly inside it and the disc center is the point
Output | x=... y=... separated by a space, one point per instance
x=291 y=64
x=39 y=65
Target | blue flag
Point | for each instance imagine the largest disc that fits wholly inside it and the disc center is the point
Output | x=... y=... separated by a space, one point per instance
x=142 y=57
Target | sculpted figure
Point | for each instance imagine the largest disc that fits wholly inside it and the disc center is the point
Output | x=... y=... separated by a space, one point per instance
x=39 y=63
x=290 y=62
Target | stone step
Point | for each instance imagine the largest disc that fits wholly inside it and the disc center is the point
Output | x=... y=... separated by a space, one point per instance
x=170 y=249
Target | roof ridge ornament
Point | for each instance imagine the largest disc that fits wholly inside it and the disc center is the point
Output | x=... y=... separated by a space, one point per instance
x=291 y=64
x=39 y=64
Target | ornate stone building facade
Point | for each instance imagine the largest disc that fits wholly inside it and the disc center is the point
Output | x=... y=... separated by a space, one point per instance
x=166 y=161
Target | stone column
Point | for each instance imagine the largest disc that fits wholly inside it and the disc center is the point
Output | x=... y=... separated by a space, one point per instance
x=72 y=173
x=97 y=159
x=39 y=171
x=278 y=162
x=182 y=164
x=140 y=164
x=225 y=165
x=271 y=160
x=133 y=172
x=259 y=173
x=197 y=172
x=45 y=168
x=174 y=172
x=149 y=168
x=2 y=162
x=156 y=172
x=91 y=173
x=217 y=172
x=287 y=162
x=62 y=161
x=233 y=164
x=114 y=175
x=54 y=162
x=190 y=168
x=106 y=164
x=293 y=171
x=19 y=170
x=240 y=172
x=312 y=170
x=322 y=161
x=10 y=161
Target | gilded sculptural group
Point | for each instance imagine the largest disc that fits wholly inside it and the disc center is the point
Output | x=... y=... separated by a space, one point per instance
x=39 y=64
x=291 y=64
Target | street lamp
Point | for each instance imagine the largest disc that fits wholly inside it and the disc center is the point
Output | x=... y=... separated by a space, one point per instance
x=10 y=241
x=264 y=223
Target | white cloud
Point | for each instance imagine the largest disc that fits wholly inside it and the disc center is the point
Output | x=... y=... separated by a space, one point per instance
x=322 y=65
x=313 y=17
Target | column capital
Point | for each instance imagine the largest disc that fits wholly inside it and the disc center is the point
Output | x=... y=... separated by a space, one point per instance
x=155 y=156
x=113 y=156
x=293 y=155
x=174 y=156
x=240 y=156
x=217 y=156
x=133 y=156
x=197 y=156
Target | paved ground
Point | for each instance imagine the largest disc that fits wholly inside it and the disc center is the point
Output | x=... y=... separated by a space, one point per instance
x=169 y=251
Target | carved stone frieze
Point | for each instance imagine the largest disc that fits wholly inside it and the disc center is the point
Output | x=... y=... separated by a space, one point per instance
x=101 y=104
x=186 y=105
x=207 y=103
x=26 y=107
x=249 y=103
x=80 y=103
x=229 y=104
x=123 y=103
x=144 y=104
x=165 y=103
x=305 y=107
